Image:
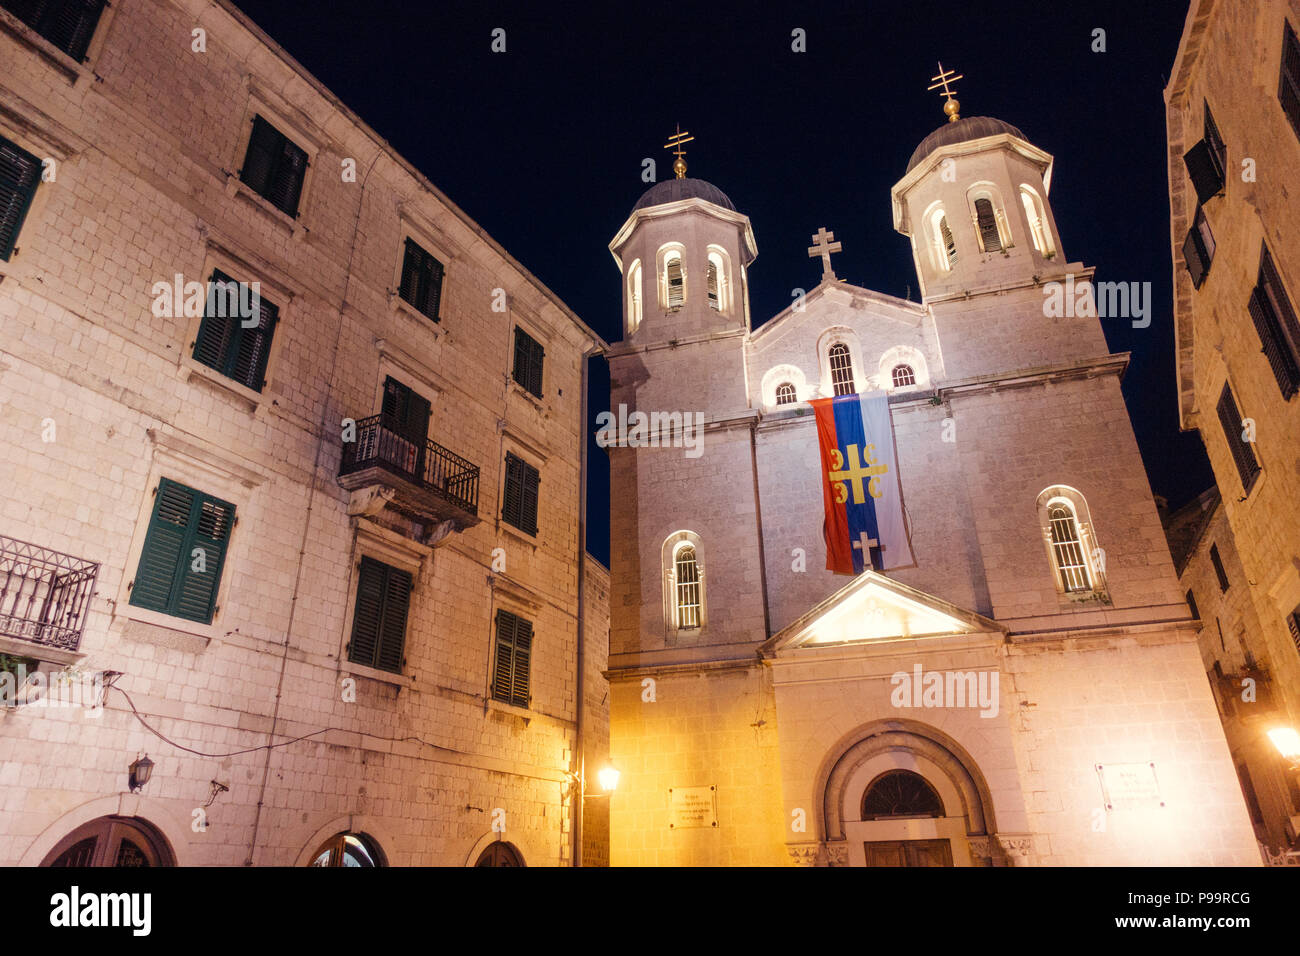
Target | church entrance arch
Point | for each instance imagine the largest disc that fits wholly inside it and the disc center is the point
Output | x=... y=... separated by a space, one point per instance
x=112 y=841
x=902 y=794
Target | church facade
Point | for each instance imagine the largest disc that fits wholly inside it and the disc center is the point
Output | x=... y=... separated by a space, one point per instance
x=1028 y=690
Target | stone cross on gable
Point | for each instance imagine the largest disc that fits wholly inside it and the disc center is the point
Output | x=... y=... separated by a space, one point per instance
x=823 y=245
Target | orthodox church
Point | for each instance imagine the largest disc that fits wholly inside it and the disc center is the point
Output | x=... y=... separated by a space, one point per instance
x=1025 y=687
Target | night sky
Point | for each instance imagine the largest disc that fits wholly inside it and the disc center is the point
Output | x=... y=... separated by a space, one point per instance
x=542 y=145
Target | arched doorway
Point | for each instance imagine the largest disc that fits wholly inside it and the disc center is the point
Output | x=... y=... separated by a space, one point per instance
x=500 y=854
x=348 y=849
x=112 y=841
x=901 y=793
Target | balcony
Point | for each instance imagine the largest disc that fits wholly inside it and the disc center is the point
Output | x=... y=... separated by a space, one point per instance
x=421 y=480
x=44 y=594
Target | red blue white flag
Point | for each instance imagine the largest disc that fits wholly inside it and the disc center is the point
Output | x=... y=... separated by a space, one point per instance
x=865 y=527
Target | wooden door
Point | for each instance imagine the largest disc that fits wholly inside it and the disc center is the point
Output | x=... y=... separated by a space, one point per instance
x=909 y=853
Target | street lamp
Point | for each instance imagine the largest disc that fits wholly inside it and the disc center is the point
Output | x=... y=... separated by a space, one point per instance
x=1287 y=742
x=608 y=777
x=141 y=770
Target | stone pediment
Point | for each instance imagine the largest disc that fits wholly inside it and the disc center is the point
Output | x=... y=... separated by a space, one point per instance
x=873 y=608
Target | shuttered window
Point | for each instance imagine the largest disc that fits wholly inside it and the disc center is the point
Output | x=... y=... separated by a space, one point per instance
x=514 y=651
x=274 y=167
x=1242 y=454
x=235 y=334
x=1206 y=161
x=405 y=414
x=1275 y=323
x=68 y=24
x=379 y=619
x=1191 y=604
x=20 y=174
x=1198 y=249
x=184 y=550
x=987 y=223
x=1218 y=567
x=422 y=280
x=1288 y=90
x=519 y=501
x=1293 y=625
x=529 y=357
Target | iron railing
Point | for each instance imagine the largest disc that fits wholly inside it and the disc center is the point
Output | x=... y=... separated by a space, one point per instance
x=44 y=594
x=432 y=467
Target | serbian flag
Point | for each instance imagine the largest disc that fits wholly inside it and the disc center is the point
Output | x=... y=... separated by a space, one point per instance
x=865 y=529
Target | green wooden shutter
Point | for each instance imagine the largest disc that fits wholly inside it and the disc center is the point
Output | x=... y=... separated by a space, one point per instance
x=368 y=616
x=217 y=332
x=1288 y=91
x=520 y=691
x=535 y=368
x=392 y=636
x=421 y=280
x=503 y=672
x=253 y=345
x=259 y=161
x=224 y=343
x=68 y=24
x=1275 y=349
x=274 y=166
x=528 y=506
x=196 y=594
x=1242 y=454
x=160 y=560
x=184 y=523
x=20 y=174
x=512 y=494
x=529 y=356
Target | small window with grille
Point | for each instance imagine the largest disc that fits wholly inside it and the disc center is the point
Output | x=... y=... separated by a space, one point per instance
x=688 y=588
x=842 y=369
x=1068 y=550
x=903 y=375
x=785 y=394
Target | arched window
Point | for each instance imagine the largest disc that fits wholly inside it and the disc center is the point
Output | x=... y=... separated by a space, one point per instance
x=1067 y=549
x=499 y=853
x=1034 y=216
x=348 y=849
x=785 y=394
x=674 y=280
x=903 y=375
x=711 y=280
x=900 y=793
x=634 y=296
x=986 y=223
x=112 y=841
x=841 y=369
x=688 y=587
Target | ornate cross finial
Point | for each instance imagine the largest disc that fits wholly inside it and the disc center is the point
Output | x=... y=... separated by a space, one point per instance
x=823 y=245
x=945 y=77
x=679 y=137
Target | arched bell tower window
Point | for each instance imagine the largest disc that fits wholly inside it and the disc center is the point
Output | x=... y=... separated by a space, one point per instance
x=841 y=369
x=903 y=375
x=942 y=242
x=674 y=282
x=986 y=223
x=688 y=587
x=685 y=600
x=1068 y=549
x=634 y=296
x=785 y=394
x=900 y=794
x=1039 y=231
x=711 y=279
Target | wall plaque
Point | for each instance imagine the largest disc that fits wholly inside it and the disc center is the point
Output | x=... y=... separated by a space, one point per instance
x=692 y=807
x=1129 y=786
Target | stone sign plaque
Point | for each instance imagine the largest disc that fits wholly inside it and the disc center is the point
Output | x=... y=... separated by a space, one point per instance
x=1129 y=786
x=692 y=807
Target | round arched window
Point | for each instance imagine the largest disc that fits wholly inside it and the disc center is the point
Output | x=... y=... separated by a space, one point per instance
x=900 y=793
x=112 y=841
x=785 y=394
x=903 y=375
x=500 y=854
x=348 y=849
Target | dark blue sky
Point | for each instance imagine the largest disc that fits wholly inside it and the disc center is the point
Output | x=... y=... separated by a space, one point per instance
x=542 y=145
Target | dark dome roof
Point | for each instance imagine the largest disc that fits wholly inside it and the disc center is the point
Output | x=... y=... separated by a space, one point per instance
x=671 y=190
x=974 y=127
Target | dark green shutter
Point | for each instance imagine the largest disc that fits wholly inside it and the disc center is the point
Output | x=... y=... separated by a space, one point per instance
x=514 y=648
x=512 y=493
x=184 y=521
x=1242 y=454
x=422 y=276
x=274 y=166
x=253 y=345
x=68 y=24
x=1288 y=91
x=528 y=509
x=379 y=618
x=1204 y=169
x=1280 y=357
x=529 y=356
x=20 y=174
x=224 y=343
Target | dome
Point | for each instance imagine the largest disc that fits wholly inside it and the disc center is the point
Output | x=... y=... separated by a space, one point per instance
x=974 y=127
x=671 y=190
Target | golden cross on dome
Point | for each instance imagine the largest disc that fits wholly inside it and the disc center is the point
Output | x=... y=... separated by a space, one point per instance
x=679 y=137
x=945 y=77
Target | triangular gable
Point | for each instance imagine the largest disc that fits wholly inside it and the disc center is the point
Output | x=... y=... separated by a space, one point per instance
x=873 y=607
x=843 y=293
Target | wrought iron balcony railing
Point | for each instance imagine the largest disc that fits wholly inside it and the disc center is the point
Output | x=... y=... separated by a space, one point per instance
x=430 y=467
x=44 y=595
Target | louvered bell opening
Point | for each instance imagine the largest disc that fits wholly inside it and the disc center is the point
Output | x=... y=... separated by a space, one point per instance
x=987 y=223
x=949 y=243
x=712 y=280
x=676 y=284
